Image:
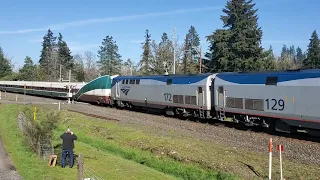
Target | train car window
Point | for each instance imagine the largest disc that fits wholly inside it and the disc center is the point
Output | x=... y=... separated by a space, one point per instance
x=131 y=81
x=123 y=81
x=127 y=81
x=138 y=81
x=169 y=81
x=272 y=80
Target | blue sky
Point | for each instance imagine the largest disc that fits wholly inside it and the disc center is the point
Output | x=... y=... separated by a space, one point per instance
x=85 y=23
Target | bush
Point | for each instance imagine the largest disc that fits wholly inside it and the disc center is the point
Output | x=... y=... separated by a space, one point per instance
x=40 y=131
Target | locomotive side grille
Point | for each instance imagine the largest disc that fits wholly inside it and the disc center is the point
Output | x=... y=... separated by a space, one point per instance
x=178 y=99
x=191 y=100
x=234 y=102
x=254 y=104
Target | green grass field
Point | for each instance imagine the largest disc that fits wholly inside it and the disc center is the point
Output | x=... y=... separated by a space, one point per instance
x=124 y=151
x=105 y=147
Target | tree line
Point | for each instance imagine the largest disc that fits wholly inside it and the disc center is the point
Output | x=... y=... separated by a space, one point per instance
x=236 y=46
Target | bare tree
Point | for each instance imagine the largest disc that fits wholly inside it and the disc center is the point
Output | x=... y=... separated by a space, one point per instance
x=90 y=68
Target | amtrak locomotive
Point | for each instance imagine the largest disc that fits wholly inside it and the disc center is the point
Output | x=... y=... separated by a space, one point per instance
x=277 y=100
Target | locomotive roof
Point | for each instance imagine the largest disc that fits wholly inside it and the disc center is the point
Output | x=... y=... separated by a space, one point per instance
x=260 y=77
x=164 y=76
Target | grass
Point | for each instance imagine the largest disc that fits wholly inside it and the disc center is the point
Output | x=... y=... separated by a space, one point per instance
x=202 y=157
x=164 y=155
x=103 y=163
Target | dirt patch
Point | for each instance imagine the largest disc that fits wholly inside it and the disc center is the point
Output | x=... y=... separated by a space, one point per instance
x=7 y=169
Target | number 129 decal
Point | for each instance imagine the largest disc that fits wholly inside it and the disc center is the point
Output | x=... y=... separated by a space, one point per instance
x=274 y=104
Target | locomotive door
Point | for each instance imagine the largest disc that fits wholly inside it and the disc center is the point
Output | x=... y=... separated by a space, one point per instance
x=200 y=96
x=221 y=96
x=118 y=89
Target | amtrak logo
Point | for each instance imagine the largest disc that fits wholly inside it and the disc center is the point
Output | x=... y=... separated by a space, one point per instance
x=125 y=91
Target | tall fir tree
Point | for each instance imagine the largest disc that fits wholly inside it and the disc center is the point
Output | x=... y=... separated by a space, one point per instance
x=300 y=56
x=109 y=59
x=192 y=51
x=48 y=57
x=313 y=52
x=218 y=55
x=64 y=54
x=48 y=46
x=5 y=66
x=146 y=54
x=164 y=55
x=241 y=38
x=29 y=70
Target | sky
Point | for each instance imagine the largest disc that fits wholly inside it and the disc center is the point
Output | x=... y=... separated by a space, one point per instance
x=84 y=24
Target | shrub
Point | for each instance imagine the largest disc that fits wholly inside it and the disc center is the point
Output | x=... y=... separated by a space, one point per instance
x=38 y=133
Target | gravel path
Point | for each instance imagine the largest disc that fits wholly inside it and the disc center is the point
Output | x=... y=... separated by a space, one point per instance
x=7 y=170
x=296 y=150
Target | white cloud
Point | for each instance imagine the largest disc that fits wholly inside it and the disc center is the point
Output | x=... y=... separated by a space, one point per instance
x=107 y=19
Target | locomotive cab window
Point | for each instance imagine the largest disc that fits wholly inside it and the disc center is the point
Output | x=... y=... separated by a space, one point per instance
x=272 y=80
x=169 y=81
x=199 y=89
x=220 y=89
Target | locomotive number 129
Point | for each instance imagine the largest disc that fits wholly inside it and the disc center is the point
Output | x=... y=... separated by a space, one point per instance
x=277 y=105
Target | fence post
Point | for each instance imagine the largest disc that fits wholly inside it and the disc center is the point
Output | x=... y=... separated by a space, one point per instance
x=80 y=167
x=39 y=149
x=59 y=106
x=16 y=97
x=0 y=95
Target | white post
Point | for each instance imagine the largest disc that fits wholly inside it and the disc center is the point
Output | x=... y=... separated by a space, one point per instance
x=280 y=149
x=59 y=106
x=0 y=95
x=174 y=51
x=270 y=157
x=16 y=97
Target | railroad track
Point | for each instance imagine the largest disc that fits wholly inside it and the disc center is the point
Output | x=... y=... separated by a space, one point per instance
x=94 y=115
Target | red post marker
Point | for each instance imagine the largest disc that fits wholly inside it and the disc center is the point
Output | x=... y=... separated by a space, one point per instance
x=270 y=157
x=280 y=148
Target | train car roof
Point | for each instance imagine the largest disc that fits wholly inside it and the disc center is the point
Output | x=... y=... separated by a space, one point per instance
x=261 y=77
x=164 y=76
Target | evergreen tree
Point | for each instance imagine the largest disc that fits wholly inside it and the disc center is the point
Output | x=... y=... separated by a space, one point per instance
x=29 y=70
x=299 y=56
x=192 y=51
x=164 y=55
x=5 y=66
x=218 y=55
x=241 y=38
x=48 y=46
x=268 y=61
x=146 y=55
x=109 y=59
x=313 y=52
x=64 y=54
x=48 y=57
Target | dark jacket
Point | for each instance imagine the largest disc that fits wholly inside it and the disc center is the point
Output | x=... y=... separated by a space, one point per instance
x=68 y=141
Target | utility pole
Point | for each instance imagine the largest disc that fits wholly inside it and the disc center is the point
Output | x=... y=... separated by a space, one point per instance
x=60 y=74
x=174 y=51
x=200 y=61
x=185 y=56
x=70 y=75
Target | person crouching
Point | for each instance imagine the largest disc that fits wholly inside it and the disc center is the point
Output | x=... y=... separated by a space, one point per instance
x=68 y=139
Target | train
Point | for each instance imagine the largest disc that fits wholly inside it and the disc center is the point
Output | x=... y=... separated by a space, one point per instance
x=285 y=101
